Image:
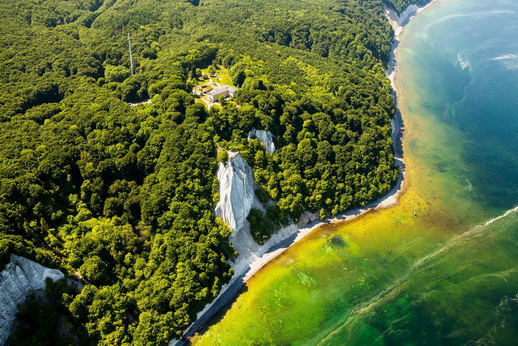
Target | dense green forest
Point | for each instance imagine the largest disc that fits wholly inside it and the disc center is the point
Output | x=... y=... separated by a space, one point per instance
x=122 y=197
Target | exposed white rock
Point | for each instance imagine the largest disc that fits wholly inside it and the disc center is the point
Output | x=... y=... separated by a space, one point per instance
x=307 y=217
x=20 y=277
x=398 y=21
x=246 y=246
x=236 y=191
x=265 y=137
x=237 y=198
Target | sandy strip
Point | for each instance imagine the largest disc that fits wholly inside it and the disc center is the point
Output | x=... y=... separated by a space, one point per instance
x=389 y=200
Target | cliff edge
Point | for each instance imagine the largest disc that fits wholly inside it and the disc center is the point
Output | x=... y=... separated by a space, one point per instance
x=399 y=21
x=19 y=278
x=236 y=190
x=265 y=137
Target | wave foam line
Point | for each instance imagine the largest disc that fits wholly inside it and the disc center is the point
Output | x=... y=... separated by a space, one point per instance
x=400 y=282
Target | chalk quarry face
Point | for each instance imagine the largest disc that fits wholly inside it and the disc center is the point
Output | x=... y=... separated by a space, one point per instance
x=19 y=278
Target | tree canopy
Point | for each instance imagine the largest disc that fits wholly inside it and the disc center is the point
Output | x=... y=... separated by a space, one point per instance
x=122 y=197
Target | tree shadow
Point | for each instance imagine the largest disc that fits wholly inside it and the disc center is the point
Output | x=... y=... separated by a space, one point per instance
x=214 y=314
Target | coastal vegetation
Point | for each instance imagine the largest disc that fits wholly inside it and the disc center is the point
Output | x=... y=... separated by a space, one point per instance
x=400 y=5
x=122 y=197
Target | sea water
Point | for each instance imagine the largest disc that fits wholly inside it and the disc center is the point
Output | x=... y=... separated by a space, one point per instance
x=441 y=267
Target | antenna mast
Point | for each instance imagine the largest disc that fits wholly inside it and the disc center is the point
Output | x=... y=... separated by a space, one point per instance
x=130 y=55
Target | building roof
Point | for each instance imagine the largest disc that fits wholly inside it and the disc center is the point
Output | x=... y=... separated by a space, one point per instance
x=221 y=88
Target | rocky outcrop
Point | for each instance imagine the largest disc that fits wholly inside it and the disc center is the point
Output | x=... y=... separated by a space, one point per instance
x=20 y=277
x=307 y=217
x=237 y=197
x=236 y=191
x=265 y=137
x=407 y=14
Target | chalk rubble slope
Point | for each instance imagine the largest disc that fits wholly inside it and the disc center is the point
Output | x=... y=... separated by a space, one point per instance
x=399 y=21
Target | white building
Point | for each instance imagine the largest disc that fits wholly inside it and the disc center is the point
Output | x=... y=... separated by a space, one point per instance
x=222 y=90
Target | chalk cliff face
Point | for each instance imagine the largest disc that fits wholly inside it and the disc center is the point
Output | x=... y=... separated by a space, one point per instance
x=265 y=137
x=237 y=198
x=236 y=190
x=398 y=21
x=17 y=280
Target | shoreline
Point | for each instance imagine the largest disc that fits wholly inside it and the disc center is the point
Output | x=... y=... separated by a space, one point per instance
x=391 y=198
x=231 y=289
x=398 y=24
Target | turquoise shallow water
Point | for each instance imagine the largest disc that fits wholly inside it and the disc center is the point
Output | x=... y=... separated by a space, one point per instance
x=449 y=275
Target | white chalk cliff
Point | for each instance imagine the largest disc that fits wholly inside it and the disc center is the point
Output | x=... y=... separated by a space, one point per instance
x=265 y=137
x=236 y=191
x=20 y=277
x=399 y=21
x=237 y=198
